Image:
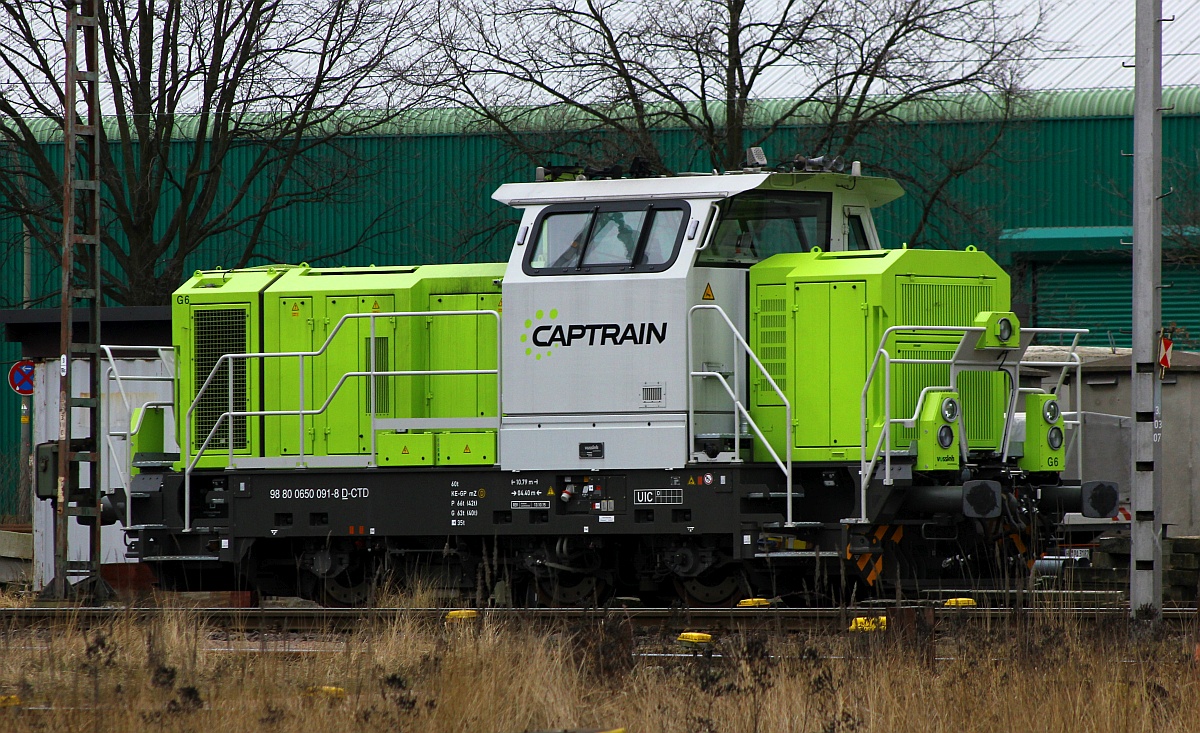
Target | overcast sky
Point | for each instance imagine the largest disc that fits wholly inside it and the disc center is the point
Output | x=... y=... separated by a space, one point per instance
x=1097 y=36
x=1086 y=41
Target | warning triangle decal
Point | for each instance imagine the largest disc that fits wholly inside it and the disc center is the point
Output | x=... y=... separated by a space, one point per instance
x=466 y=449
x=708 y=292
x=550 y=492
x=375 y=307
x=691 y=481
x=295 y=307
x=405 y=451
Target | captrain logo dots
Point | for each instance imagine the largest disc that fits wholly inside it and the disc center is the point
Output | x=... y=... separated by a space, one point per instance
x=530 y=325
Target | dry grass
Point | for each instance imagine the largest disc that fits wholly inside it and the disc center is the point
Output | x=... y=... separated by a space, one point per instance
x=417 y=592
x=171 y=673
x=15 y=596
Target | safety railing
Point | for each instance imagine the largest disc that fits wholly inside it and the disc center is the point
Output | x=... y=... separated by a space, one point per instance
x=965 y=358
x=112 y=437
x=739 y=408
x=227 y=418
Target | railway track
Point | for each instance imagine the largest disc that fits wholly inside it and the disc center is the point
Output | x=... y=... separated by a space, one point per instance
x=788 y=620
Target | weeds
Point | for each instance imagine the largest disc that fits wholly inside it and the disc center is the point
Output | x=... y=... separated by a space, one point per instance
x=15 y=596
x=171 y=673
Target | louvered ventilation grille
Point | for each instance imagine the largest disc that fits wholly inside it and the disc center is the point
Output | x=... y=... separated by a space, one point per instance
x=772 y=347
x=943 y=304
x=978 y=390
x=983 y=411
x=383 y=385
x=218 y=332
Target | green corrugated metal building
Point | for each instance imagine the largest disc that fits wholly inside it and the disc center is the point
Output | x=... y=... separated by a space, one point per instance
x=1056 y=192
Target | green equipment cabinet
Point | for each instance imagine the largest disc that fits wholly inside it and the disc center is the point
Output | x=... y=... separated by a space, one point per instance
x=321 y=332
x=817 y=321
x=334 y=314
x=463 y=342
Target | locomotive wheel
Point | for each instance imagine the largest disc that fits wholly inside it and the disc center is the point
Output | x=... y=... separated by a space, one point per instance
x=570 y=589
x=720 y=588
x=351 y=587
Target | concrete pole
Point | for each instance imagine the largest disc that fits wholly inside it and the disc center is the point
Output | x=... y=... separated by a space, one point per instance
x=1145 y=568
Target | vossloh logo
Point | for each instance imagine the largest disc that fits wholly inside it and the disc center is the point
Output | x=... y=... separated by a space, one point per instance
x=545 y=337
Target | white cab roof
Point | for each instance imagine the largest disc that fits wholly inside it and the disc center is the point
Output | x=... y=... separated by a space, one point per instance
x=877 y=191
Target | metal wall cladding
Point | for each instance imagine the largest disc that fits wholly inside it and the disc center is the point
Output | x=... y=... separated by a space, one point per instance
x=10 y=435
x=426 y=198
x=11 y=293
x=1097 y=295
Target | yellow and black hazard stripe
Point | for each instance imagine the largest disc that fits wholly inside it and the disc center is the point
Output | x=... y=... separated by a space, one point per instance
x=874 y=560
x=1021 y=547
x=876 y=567
x=882 y=530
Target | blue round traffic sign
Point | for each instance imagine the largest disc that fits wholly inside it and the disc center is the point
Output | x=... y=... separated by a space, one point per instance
x=20 y=377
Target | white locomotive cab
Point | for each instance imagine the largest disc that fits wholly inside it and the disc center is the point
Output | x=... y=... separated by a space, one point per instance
x=598 y=296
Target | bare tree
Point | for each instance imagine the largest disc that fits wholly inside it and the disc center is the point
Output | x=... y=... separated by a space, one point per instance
x=220 y=115
x=610 y=75
x=933 y=159
x=1181 y=209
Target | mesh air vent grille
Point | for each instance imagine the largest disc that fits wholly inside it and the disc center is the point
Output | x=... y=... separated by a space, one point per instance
x=217 y=332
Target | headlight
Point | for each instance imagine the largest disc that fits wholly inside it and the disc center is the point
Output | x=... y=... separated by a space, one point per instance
x=1051 y=412
x=946 y=436
x=950 y=409
x=1055 y=437
x=1004 y=329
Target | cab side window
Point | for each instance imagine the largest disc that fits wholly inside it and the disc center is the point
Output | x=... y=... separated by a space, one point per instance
x=757 y=224
x=660 y=244
x=856 y=234
x=619 y=237
x=559 y=239
x=614 y=238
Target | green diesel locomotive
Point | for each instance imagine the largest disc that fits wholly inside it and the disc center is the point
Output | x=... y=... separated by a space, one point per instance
x=705 y=387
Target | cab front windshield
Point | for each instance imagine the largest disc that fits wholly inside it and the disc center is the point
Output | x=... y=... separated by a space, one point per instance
x=757 y=224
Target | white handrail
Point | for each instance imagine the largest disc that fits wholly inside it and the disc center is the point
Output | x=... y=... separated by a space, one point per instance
x=190 y=463
x=739 y=407
x=114 y=375
x=882 y=356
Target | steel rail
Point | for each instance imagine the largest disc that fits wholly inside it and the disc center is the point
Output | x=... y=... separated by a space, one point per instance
x=330 y=620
